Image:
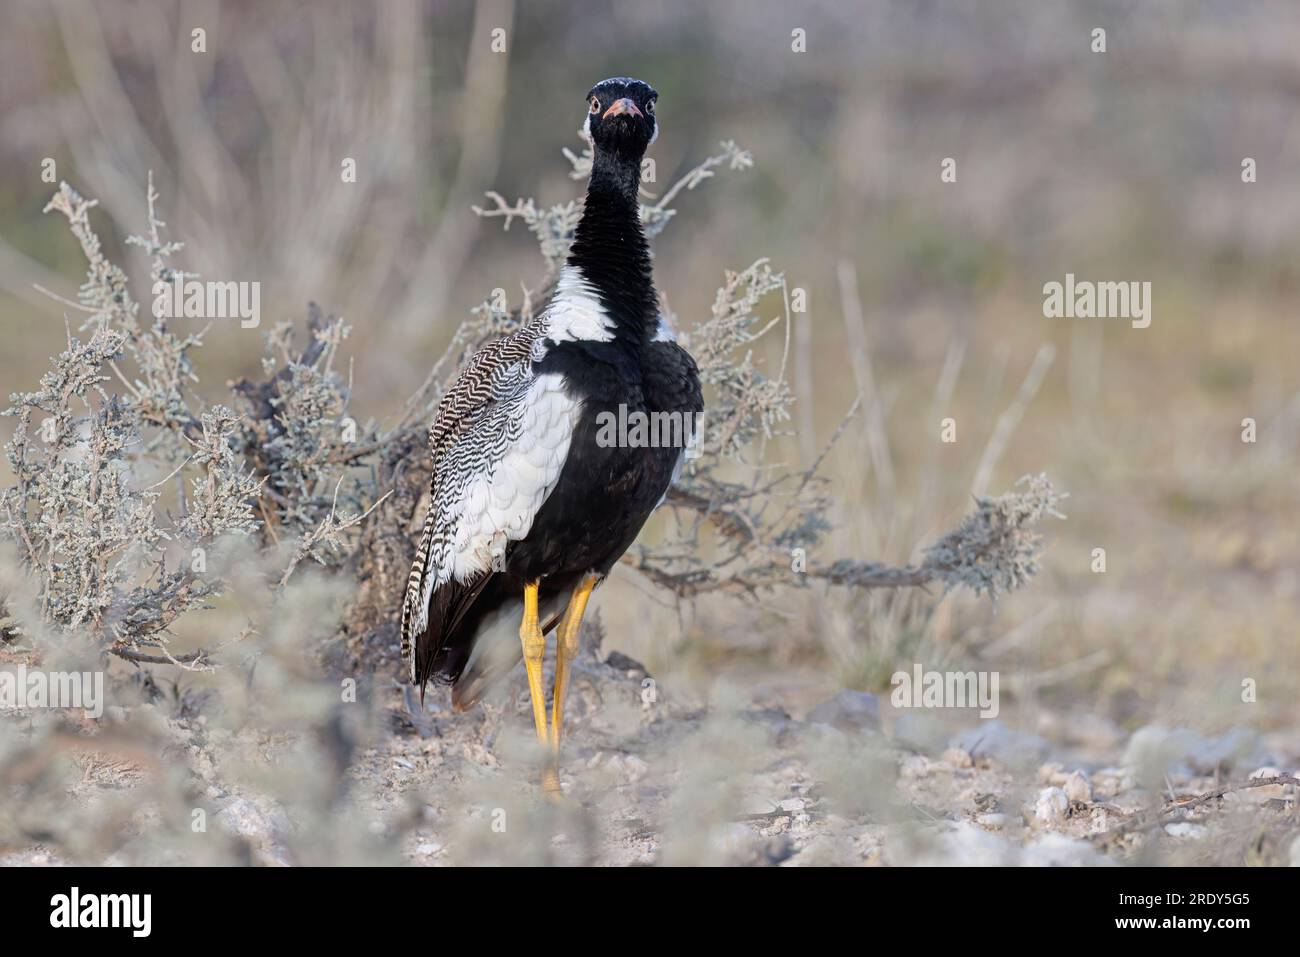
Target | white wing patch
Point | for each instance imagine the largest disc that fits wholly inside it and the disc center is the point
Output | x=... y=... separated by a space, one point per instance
x=576 y=312
x=493 y=479
x=498 y=506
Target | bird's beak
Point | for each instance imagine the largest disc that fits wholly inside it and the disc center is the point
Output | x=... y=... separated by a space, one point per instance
x=621 y=107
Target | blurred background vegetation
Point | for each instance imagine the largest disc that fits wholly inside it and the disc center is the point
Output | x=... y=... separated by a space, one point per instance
x=1123 y=165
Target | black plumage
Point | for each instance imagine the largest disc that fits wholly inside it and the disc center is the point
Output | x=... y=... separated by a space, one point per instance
x=599 y=349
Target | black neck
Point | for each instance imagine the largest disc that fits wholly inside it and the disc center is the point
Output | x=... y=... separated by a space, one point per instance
x=610 y=249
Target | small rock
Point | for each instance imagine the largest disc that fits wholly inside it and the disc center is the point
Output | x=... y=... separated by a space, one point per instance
x=1052 y=773
x=634 y=767
x=1185 y=829
x=996 y=740
x=245 y=819
x=1051 y=806
x=958 y=758
x=1268 y=792
x=993 y=821
x=759 y=802
x=849 y=711
x=258 y=828
x=475 y=753
x=428 y=848
x=1113 y=781
x=1157 y=749
x=1078 y=788
x=1237 y=748
x=915 y=766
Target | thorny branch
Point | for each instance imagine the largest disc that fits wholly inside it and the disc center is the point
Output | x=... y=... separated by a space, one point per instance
x=1174 y=809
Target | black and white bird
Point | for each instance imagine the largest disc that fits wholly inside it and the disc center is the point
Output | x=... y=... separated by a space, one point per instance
x=531 y=503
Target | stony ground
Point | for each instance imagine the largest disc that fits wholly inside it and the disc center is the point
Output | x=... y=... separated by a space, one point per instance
x=841 y=783
x=776 y=780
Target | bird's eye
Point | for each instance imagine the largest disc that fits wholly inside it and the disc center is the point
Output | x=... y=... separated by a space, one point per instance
x=650 y=107
x=595 y=105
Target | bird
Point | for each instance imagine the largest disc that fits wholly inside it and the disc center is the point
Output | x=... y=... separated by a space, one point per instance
x=534 y=494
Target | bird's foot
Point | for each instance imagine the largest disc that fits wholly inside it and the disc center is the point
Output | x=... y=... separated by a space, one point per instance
x=551 y=782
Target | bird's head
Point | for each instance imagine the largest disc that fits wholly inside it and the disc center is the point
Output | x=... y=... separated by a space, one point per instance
x=621 y=117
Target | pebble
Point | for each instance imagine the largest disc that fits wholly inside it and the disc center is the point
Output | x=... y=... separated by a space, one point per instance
x=256 y=826
x=848 y=711
x=915 y=766
x=1051 y=806
x=634 y=767
x=1269 y=792
x=1113 y=781
x=958 y=758
x=1182 y=751
x=1078 y=788
x=996 y=740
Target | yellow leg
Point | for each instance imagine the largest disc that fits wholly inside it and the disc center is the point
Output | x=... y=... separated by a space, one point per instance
x=566 y=649
x=534 y=642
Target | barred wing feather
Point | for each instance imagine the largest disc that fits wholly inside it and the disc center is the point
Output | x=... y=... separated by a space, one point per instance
x=498 y=442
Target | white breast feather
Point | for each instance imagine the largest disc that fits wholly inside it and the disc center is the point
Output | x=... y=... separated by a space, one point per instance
x=663 y=331
x=576 y=312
